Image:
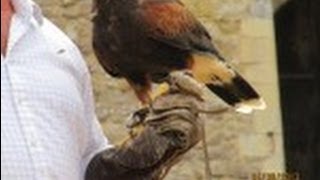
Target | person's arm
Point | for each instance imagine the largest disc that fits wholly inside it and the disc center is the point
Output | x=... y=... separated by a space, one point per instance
x=97 y=141
x=153 y=147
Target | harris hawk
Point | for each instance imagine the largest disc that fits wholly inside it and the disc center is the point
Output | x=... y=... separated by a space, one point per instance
x=144 y=41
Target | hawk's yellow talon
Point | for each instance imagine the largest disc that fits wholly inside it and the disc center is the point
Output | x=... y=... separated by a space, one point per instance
x=160 y=90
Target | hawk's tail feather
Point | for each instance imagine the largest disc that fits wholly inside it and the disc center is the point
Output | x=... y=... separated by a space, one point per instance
x=226 y=83
x=239 y=94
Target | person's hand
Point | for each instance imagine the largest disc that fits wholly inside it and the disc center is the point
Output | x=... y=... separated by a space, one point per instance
x=156 y=143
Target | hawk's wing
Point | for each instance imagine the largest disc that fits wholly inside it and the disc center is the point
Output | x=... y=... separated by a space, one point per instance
x=168 y=21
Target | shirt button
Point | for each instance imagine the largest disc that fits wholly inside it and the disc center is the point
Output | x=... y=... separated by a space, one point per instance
x=22 y=101
x=33 y=144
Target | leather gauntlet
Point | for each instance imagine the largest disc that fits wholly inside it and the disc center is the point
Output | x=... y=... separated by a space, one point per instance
x=157 y=141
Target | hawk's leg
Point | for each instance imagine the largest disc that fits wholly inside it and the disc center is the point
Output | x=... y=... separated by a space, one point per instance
x=178 y=81
x=162 y=89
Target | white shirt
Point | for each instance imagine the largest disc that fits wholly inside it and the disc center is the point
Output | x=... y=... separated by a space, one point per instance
x=49 y=129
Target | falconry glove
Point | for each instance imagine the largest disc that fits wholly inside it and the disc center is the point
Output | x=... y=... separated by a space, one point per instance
x=156 y=142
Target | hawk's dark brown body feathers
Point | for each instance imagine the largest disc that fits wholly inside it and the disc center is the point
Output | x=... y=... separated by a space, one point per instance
x=144 y=40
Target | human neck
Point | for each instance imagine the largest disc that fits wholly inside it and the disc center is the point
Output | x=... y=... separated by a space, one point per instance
x=6 y=14
x=6 y=5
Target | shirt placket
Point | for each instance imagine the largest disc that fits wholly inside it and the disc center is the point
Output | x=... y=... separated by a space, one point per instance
x=29 y=123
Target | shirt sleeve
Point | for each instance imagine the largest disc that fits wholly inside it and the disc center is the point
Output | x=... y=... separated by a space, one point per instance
x=93 y=136
x=96 y=140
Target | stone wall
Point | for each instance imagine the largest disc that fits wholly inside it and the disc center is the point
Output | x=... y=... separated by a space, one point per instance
x=239 y=145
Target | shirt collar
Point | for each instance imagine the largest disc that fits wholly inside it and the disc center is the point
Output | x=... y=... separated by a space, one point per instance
x=28 y=10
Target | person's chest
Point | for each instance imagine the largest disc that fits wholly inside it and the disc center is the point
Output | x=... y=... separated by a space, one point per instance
x=41 y=104
x=41 y=66
x=41 y=71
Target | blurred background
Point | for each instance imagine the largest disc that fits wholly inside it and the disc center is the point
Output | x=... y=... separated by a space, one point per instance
x=274 y=44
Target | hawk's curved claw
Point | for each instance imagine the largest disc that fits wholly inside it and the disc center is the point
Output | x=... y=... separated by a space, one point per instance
x=137 y=117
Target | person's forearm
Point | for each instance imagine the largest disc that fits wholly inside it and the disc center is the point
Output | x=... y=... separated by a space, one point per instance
x=151 y=153
x=103 y=167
